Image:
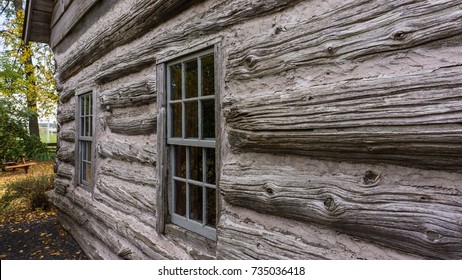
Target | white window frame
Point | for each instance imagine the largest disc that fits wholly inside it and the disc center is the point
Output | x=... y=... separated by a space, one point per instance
x=83 y=138
x=184 y=221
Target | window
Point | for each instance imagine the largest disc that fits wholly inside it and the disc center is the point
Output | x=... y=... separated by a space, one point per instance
x=85 y=139
x=191 y=139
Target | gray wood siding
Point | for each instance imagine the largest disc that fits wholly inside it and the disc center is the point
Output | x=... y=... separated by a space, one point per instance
x=339 y=125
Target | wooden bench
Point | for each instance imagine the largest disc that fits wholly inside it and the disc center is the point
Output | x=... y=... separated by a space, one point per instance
x=23 y=164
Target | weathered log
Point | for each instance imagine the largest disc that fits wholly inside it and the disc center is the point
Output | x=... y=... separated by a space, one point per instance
x=243 y=237
x=65 y=171
x=66 y=154
x=67 y=135
x=137 y=125
x=406 y=120
x=199 y=247
x=131 y=195
x=215 y=19
x=128 y=95
x=353 y=31
x=419 y=219
x=61 y=185
x=143 y=16
x=65 y=115
x=66 y=95
x=63 y=22
x=134 y=174
x=127 y=151
x=111 y=222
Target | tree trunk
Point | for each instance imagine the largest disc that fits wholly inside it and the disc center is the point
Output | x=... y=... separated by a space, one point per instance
x=32 y=95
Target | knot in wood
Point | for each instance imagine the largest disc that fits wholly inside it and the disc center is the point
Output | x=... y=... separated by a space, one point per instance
x=399 y=35
x=250 y=61
x=330 y=49
x=329 y=203
x=370 y=177
x=432 y=235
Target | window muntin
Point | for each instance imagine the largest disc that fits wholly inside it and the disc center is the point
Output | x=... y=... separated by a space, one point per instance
x=85 y=139
x=191 y=137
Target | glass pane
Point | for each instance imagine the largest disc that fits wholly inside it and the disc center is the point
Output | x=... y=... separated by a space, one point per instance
x=88 y=172
x=180 y=198
x=176 y=120
x=195 y=163
x=84 y=172
x=208 y=74
x=175 y=81
x=208 y=118
x=211 y=207
x=90 y=105
x=210 y=161
x=82 y=126
x=87 y=104
x=87 y=126
x=180 y=161
x=195 y=202
x=191 y=78
x=88 y=144
x=191 y=119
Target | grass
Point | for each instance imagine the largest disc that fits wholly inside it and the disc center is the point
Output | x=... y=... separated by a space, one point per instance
x=43 y=137
x=21 y=192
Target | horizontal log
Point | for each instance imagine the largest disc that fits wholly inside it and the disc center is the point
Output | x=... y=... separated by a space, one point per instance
x=136 y=21
x=138 y=125
x=128 y=95
x=67 y=135
x=66 y=154
x=199 y=247
x=134 y=196
x=249 y=237
x=65 y=115
x=130 y=173
x=409 y=120
x=92 y=213
x=61 y=185
x=65 y=171
x=350 y=32
x=127 y=151
x=218 y=17
x=418 y=219
x=66 y=95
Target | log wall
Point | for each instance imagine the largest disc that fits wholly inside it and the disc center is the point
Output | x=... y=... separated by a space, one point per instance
x=340 y=125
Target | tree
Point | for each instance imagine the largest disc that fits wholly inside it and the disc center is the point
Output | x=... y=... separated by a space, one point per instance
x=26 y=70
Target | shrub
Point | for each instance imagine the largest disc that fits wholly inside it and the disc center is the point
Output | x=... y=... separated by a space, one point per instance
x=27 y=193
x=15 y=136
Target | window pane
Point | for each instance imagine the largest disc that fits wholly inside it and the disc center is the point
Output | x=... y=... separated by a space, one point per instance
x=87 y=126
x=176 y=120
x=175 y=81
x=208 y=74
x=191 y=119
x=195 y=202
x=195 y=163
x=82 y=126
x=180 y=198
x=180 y=161
x=88 y=148
x=208 y=118
x=191 y=78
x=88 y=172
x=211 y=207
x=210 y=161
x=84 y=172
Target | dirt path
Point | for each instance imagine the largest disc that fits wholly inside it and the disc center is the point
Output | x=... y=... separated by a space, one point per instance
x=36 y=236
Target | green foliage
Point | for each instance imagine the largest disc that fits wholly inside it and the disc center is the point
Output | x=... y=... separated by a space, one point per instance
x=26 y=71
x=29 y=191
x=15 y=138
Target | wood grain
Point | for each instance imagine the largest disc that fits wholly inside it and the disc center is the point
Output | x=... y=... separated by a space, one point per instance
x=419 y=219
x=137 y=125
x=406 y=120
x=130 y=152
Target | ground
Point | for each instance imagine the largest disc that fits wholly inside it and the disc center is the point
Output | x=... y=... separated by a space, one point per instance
x=35 y=236
x=32 y=234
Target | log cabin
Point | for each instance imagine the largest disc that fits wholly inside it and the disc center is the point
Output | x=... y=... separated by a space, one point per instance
x=257 y=129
